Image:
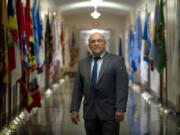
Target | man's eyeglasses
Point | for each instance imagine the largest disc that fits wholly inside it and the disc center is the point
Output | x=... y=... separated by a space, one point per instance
x=94 y=41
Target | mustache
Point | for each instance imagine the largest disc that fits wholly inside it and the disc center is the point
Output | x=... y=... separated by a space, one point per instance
x=96 y=47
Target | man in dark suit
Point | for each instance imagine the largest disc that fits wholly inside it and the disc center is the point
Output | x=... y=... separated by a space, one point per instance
x=103 y=81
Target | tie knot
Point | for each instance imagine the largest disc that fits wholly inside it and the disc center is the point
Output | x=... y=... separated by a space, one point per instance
x=96 y=58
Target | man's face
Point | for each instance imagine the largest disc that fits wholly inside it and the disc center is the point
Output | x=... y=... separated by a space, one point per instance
x=97 y=44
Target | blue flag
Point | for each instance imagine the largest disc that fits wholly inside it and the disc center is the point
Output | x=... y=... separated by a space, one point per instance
x=129 y=44
x=136 y=49
x=137 y=43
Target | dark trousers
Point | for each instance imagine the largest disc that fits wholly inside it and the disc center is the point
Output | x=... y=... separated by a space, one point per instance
x=101 y=127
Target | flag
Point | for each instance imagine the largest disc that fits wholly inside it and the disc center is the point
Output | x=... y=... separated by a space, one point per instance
x=145 y=51
x=71 y=50
x=52 y=72
x=120 y=47
x=30 y=38
x=136 y=48
x=129 y=44
x=12 y=35
x=34 y=90
x=48 y=43
x=13 y=44
x=137 y=43
x=59 y=52
x=28 y=100
x=62 y=45
x=40 y=41
x=33 y=87
x=4 y=76
x=147 y=44
x=17 y=72
x=22 y=34
x=161 y=57
x=154 y=50
x=35 y=33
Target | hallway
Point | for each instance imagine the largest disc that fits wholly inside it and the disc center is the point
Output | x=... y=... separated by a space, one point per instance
x=53 y=118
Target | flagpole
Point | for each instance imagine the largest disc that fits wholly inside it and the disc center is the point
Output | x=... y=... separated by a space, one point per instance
x=161 y=88
x=9 y=99
x=1 y=110
x=148 y=83
x=166 y=101
x=4 y=109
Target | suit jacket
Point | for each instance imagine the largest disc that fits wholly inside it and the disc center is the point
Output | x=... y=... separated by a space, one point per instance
x=111 y=89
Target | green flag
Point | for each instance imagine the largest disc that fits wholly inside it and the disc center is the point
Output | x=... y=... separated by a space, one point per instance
x=161 y=58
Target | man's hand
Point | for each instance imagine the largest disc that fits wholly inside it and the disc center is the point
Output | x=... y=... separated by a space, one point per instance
x=119 y=116
x=75 y=117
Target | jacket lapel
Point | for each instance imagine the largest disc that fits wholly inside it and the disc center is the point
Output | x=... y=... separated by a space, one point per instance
x=88 y=67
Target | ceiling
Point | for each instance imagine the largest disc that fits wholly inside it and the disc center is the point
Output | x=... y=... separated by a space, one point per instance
x=70 y=7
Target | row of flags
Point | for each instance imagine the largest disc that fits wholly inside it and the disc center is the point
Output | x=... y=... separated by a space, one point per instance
x=24 y=52
x=151 y=53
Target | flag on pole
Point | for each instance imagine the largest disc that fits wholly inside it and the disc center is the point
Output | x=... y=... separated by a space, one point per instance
x=72 y=50
x=22 y=34
x=62 y=45
x=59 y=52
x=54 y=51
x=154 y=50
x=147 y=44
x=48 y=44
x=35 y=33
x=30 y=38
x=145 y=51
x=12 y=35
x=4 y=76
x=40 y=41
x=33 y=87
x=120 y=47
x=28 y=100
x=13 y=44
x=137 y=43
x=129 y=44
x=136 y=48
x=161 y=41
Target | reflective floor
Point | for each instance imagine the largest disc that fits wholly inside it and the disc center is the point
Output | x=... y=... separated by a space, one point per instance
x=54 y=118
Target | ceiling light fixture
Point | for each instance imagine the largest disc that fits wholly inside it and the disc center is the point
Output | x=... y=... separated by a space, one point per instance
x=95 y=14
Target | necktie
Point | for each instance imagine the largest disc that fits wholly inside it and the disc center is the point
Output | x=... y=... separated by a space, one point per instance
x=94 y=73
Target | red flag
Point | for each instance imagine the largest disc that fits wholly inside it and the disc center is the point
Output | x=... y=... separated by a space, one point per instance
x=28 y=100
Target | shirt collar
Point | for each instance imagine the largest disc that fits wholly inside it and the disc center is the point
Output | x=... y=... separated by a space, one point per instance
x=102 y=55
